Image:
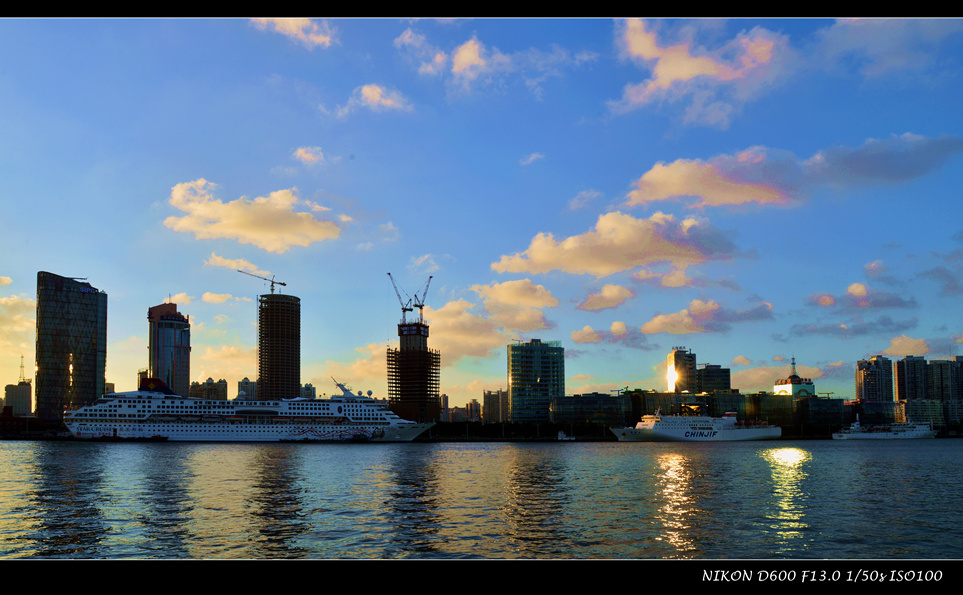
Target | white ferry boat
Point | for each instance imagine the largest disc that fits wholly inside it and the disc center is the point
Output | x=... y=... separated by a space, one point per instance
x=155 y=413
x=894 y=431
x=688 y=428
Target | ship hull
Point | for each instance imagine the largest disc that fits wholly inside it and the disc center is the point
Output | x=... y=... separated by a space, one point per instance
x=654 y=435
x=192 y=432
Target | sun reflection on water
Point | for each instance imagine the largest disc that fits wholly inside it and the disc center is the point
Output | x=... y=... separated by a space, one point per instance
x=789 y=471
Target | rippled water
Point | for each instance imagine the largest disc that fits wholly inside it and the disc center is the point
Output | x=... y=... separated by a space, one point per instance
x=785 y=499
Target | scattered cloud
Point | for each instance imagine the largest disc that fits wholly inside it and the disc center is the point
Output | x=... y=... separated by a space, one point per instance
x=902 y=346
x=18 y=324
x=767 y=177
x=529 y=159
x=376 y=98
x=5 y=281
x=860 y=296
x=238 y=264
x=704 y=316
x=517 y=305
x=876 y=47
x=583 y=199
x=621 y=242
x=716 y=83
x=307 y=32
x=270 y=222
x=609 y=297
x=473 y=64
x=859 y=327
x=309 y=155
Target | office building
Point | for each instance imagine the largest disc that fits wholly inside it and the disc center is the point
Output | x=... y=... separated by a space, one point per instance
x=713 y=378
x=680 y=371
x=278 y=347
x=169 y=347
x=874 y=379
x=536 y=375
x=71 y=345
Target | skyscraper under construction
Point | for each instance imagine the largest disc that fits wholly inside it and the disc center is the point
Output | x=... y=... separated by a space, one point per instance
x=413 y=368
x=278 y=347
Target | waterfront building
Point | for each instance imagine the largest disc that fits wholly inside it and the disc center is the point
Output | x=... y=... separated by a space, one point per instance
x=681 y=371
x=414 y=374
x=278 y=347
x=71 y=352
x=495 y=405
x=209 y=390
x=308 y=391
x=536 y=375
x=18 y=397
x=874 y=379
x=602 y=408
x=794 y=385
x=909 y=378
x=248 y=387
x=713 y=378
x=169 y=347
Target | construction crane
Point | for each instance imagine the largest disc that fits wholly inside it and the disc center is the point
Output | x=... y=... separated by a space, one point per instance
x=420 y=302
x=271 y=280
x=405 y=307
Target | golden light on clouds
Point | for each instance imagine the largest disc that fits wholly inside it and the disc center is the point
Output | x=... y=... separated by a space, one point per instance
x=268 y=222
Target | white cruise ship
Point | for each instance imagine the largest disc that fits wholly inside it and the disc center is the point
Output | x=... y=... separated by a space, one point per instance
x=692 y=428
x=154 y=413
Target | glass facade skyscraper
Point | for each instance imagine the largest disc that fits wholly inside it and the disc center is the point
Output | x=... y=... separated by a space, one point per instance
x=536 y=375
x=71 y=345
x=169 y=348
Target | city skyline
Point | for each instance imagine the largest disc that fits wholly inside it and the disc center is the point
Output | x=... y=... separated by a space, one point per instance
x=752 y=190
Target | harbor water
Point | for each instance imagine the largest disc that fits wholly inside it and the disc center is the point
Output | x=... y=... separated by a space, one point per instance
x=605 y=500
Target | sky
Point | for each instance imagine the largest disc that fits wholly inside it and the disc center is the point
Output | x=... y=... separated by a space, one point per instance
x=752 y=190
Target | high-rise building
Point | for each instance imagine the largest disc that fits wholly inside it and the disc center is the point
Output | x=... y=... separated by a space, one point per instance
x=169 y=348
x=495 y=406
x=414 y=374
x=71 y=344
x=536 y=375
x=910 y=378
x=713 y=377
x=874 y=379
x=681 y=371
x=209 y=390
x=278 y=347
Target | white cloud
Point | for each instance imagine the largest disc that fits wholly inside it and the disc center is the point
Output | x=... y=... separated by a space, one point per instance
x=305 y=31
x=621 y=242
x=270 y=222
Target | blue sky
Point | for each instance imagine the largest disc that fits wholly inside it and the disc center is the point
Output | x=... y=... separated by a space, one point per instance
x=751 y=190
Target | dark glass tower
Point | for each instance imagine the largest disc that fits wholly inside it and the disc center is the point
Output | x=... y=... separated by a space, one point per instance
x=169 y=348
x=71 y=345
x=278 y=347
x=536 y=375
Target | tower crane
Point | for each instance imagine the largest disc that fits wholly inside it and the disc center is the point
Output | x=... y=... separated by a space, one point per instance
x=271 y=280
x=420 y=302
x=404 y=307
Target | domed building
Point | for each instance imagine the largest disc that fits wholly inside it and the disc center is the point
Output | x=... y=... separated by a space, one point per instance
x=794 y=385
